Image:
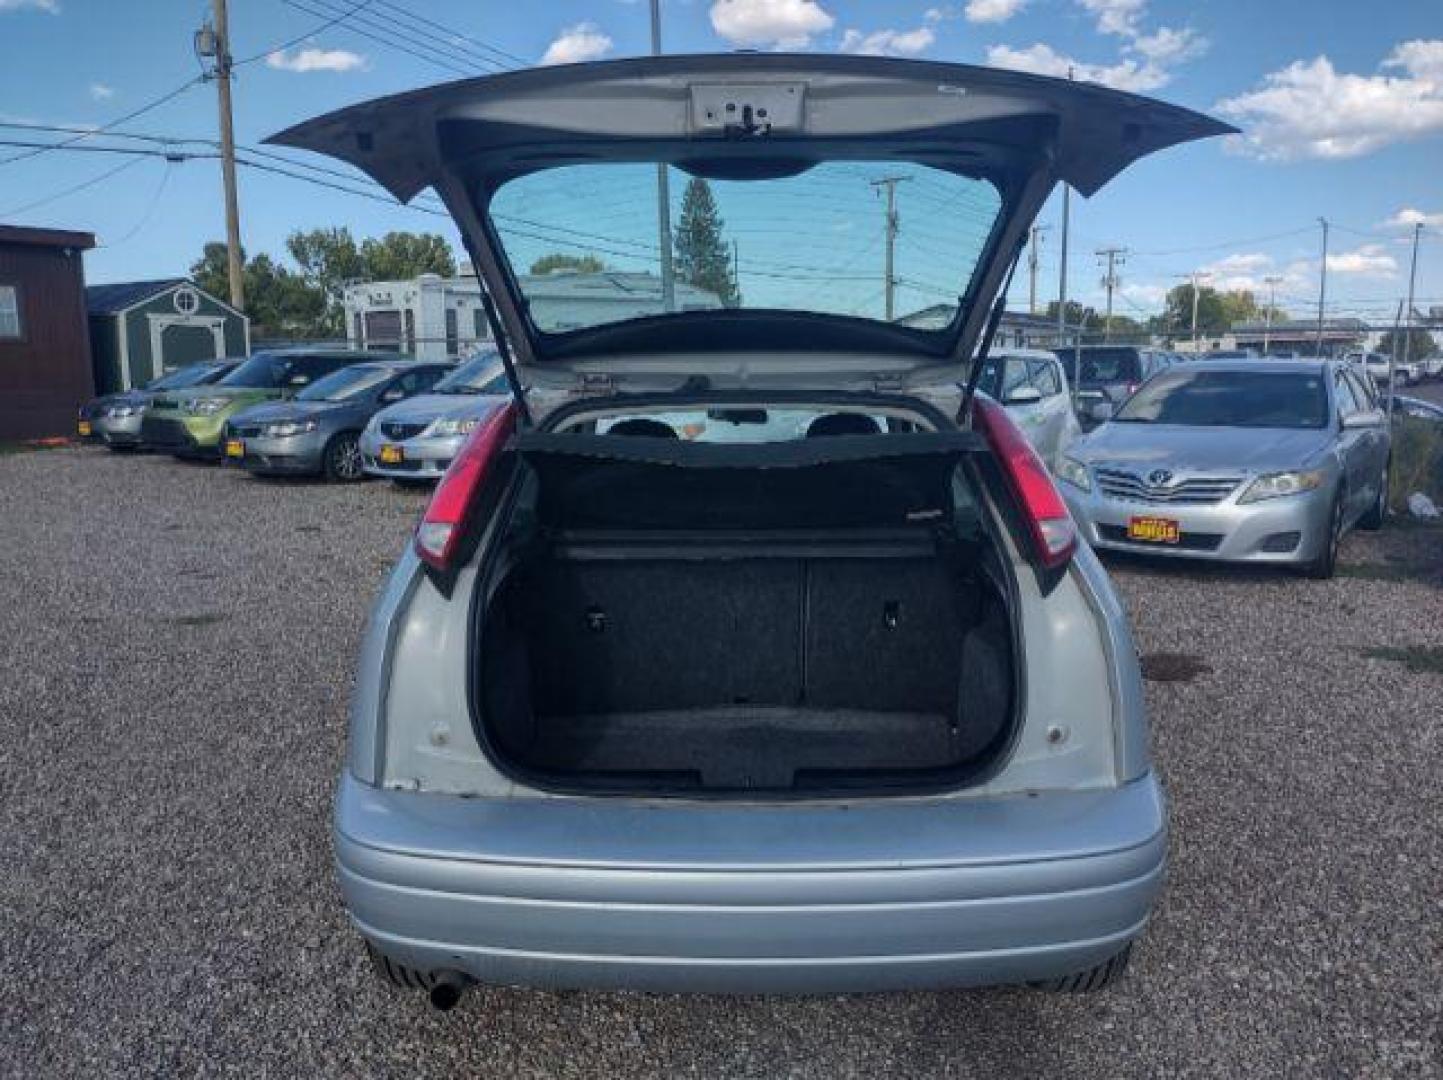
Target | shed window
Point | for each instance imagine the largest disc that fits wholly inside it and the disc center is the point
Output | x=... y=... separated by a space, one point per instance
x=9 y=313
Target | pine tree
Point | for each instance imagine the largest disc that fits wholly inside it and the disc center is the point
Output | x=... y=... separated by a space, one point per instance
x=702 y=258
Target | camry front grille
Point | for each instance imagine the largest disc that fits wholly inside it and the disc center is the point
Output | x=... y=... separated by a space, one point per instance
x=1194 y=490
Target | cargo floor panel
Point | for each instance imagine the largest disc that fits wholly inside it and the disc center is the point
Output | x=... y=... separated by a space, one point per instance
x=743 y=747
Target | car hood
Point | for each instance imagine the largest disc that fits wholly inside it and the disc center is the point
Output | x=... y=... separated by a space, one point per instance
x=240 y=395
x=272 y=411
x=1188 y=448
x=1022 y=132
x=424 y=408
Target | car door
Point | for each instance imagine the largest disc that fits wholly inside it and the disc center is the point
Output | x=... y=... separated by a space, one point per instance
x=1050 y=411
x=1352 y=445
x=1376 y=442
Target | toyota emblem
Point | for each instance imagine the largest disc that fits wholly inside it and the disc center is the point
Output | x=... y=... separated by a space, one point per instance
x=1159 y=478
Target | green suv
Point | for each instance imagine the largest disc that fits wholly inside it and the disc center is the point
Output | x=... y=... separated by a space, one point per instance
x=189 y=423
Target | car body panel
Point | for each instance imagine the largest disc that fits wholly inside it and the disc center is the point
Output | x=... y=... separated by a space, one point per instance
x=1049 y=423
x=1022 y=131
x=115 y=419
x=1196 y=476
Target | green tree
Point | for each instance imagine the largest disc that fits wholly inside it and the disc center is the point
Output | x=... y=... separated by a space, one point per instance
x=279 y=301
x=401 y=255
x=1212 y=316
x=1421 y=344
x=559 y=261
x=702 y=258
x=1077 y=316
x=329 y=260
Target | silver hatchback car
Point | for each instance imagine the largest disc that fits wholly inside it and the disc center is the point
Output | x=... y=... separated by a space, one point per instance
x=1237 y=460
x=847 y=709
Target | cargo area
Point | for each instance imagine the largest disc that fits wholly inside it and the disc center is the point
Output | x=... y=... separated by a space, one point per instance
x=697 y=620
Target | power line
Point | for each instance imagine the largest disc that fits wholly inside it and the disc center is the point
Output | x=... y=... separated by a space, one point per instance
x=84 y=185
x=334 y=20
x=433 y=51
x=477 y=42
x=103 y=128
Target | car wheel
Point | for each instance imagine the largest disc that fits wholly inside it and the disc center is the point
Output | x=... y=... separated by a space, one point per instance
x=1322 y=567
x=1373 y=519
x=342 y=459
x=1093 y=979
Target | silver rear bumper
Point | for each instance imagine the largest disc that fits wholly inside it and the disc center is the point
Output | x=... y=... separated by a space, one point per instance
x=877 y=895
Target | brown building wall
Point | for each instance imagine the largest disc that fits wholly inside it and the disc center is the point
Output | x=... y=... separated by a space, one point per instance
x=46 y=374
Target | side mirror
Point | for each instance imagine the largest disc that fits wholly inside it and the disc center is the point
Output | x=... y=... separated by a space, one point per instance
x=392 y=395
x=1023 y=395
x=1103 y=411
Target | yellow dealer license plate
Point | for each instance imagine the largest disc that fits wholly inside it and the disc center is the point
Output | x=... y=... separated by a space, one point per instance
x=83 y=427
x=1153 y=530
x=392 y=455
x=235 y=448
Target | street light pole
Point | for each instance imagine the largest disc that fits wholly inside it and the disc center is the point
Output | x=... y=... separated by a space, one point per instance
x=1272 y=284
x=1322 y=284
x=1408 y=311
x=663 y=192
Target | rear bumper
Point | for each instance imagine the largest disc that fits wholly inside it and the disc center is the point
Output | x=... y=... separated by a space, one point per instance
x=753 y=899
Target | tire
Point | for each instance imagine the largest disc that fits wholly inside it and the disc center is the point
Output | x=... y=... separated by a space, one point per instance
x=342 y=458
x=1373 y=519
x=1323 y=567
x=1090 y=981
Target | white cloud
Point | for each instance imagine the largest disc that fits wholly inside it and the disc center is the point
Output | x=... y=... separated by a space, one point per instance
x=992 y=11
x=52 y=6
x=1370 y=260
x=577 y=44
x=888 y=42
x=1116 y=16
x=1169 y=46
x=782 y=24
x=101 y=92
x=1127 y=74
x=1244 y=272
x=1144 y=294
x=313 y=59
x=1407 y=217
x=1310 y=110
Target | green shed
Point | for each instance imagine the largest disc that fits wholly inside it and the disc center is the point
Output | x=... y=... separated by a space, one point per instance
x=139 y=330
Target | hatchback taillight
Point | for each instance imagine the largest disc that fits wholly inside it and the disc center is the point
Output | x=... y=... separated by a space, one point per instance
x=462 y=484
x=1049 y=525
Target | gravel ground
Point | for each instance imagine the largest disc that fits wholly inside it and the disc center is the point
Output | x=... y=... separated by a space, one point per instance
x=172 y=708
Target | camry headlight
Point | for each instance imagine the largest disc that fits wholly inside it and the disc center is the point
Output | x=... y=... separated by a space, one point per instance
x=1074 y=472
x=283 y=429
x=206 y=406
x=1275 y=485
x=454 y=427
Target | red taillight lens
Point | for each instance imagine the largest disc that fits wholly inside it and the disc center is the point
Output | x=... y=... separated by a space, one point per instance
x=456 y=494
x=1053 y=533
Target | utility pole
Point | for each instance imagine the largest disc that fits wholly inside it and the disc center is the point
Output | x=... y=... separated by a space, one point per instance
x=890 y=280
x=663 y=192
x=1032 y=261
x=1195 y=277
x=1115 y=257
x=1408 y=316
x=1272 y=283
x=1322 y=285
x=214 y=41
x=1062 y=290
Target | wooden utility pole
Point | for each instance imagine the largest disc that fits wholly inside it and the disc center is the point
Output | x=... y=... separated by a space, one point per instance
x=1115 y=257
x=221 y=74
x=1032 y=261
x=890 y=279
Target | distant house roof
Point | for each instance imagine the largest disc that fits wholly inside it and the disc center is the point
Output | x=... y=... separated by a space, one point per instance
x=60 y=238
x=113 y=299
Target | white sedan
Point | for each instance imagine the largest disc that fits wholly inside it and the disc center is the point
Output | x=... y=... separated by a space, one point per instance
x=1032 y=386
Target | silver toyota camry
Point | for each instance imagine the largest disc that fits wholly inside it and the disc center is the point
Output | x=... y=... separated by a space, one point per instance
x=1245 y=461
x=844 y=708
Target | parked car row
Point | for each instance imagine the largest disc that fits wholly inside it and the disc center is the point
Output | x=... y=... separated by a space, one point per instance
x=336 y=413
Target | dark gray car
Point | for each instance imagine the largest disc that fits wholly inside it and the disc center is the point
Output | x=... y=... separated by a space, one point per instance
x=317 y=432
x=1108 y=375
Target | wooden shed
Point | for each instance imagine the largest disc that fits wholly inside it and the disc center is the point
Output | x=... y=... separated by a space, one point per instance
x=44 y=345
x=139 y=330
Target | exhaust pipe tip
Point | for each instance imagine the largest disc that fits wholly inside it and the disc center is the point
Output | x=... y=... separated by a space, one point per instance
x=447 y=990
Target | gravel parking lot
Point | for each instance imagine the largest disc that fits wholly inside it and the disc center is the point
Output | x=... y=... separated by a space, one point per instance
x=179 y=649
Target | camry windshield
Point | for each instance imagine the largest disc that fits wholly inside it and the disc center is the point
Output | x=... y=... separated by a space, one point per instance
x=479 y=375
x=345 y=384
x=193 y=375
x=261 y=370
x=584 y=242
x=1253 y=399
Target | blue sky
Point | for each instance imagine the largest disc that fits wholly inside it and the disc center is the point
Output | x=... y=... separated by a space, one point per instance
x=1342 y=105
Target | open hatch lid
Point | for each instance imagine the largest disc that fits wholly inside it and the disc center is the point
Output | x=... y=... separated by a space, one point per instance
x=740 y=117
